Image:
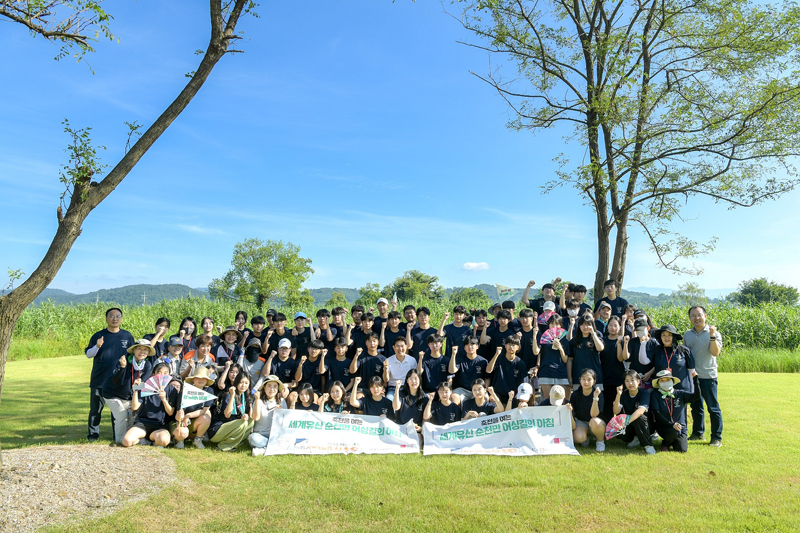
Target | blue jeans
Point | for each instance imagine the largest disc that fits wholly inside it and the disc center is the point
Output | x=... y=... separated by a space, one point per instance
x=96 y=405
x=708 y=393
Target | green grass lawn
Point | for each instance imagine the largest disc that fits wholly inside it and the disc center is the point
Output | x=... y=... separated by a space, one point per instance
x=752 y=483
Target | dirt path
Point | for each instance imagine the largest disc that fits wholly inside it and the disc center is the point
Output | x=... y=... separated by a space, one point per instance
x=44 y=485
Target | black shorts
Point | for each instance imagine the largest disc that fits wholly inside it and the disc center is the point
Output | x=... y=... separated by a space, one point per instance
x=149 y=428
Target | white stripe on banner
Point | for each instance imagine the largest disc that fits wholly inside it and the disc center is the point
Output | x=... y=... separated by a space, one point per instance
x=526 y=431
x=315 y=433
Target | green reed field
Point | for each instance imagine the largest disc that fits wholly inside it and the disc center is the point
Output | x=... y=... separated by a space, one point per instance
x=763 y=339
x=751 y=483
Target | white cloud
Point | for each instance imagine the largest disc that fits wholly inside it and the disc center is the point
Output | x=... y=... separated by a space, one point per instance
x=200 y=229
x=475 y=266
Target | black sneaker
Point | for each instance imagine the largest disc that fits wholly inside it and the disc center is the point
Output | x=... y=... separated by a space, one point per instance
x=92 y=439
x=695 y=436
x=715 y=443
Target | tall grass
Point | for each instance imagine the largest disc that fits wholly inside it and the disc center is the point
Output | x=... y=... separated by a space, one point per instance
x=766 y=326
x=69 y=327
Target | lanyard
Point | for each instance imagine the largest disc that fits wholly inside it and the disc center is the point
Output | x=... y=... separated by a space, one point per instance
x=669 y=358
x=669 y=405
x=135 y=374
x=230 y=354
x=136 y=370
x=240 y=406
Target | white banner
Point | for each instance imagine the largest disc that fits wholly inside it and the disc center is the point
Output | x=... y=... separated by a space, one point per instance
x=193 y=395
x=315 y=433
x=526 y=431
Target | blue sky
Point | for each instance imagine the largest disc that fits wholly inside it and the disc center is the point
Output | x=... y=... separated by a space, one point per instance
x=351 y=129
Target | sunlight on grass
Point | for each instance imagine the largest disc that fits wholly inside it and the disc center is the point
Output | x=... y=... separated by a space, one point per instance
x=750 y=484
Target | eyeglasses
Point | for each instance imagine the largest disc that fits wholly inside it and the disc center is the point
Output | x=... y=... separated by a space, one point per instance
x=115 y=317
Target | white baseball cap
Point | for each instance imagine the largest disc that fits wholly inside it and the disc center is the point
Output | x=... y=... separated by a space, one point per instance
x=524 y=392
x=285 y=343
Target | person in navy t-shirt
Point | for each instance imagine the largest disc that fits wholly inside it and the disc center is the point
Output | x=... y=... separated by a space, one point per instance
x=409 y=404
x=444 y=411
x=587 y=405
x=336 y=367
x=105 y=349
x=158 y=339
x=467 y=369
x=617 y=303
x=479 y=404
x=368 y=365
x=375 y=403
x=509 y=371
x=455 y=332
x=634 y=402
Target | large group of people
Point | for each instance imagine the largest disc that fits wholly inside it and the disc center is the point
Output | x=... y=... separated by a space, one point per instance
x=601 y=361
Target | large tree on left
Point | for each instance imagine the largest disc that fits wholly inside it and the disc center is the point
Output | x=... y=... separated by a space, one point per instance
x=75 y=23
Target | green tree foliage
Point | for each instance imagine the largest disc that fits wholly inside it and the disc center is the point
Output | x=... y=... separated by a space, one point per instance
x=301 y=298
x=337 y=299
x=369 y=294
x=663 y=100
x=41 y=17
x=689 y=294
x=415 y=285
x=76 y=24
x=262 y=271
x=470 y=294
x=760 y=291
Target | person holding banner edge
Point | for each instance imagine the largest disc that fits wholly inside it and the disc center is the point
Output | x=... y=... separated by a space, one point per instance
x=445 y=411
x=587 y=404
x=374 y=404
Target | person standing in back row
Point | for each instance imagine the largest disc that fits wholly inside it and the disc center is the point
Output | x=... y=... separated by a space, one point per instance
x=705 y=342
x=105 y=348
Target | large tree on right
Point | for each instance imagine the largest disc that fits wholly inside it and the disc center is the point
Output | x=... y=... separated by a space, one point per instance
x=667 y=99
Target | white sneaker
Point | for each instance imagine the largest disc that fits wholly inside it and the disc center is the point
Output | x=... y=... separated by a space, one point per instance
x=634 y=443
x=649 y=450
x=205 y=438
x=259 y=451
x=600 y=446
x=179 y=445
x=198 y=443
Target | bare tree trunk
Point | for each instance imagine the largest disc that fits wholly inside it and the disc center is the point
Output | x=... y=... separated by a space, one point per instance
x=620 y=251
x=8 y=319
x=86 y=195
x=602 y=258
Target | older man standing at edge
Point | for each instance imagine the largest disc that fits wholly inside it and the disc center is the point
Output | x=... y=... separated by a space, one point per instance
x=705 y=342
x=105 y=348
